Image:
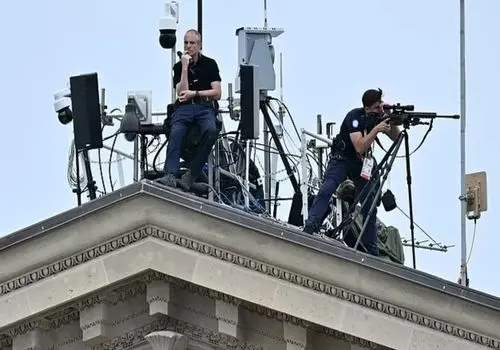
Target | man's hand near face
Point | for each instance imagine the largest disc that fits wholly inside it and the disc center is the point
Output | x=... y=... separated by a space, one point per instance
x=186 y=59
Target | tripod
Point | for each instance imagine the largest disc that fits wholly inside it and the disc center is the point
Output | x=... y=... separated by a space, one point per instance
x=377 y=183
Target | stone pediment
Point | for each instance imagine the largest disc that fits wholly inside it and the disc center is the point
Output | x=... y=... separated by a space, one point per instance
x=79 y=265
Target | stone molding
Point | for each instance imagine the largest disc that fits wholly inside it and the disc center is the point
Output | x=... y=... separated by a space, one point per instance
x=252 y=264
x=112 y=297
x=131 y=289
x=167 y=340
x=5 y=342
x=263 y=311
x=192 y=332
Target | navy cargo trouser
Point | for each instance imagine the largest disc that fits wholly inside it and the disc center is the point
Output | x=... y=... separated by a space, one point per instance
x=182 y=118
x=337 y=171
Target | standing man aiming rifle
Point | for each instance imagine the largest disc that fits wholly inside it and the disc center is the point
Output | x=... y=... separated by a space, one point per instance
x=352 y=158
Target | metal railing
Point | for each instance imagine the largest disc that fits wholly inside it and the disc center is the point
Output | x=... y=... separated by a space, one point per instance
x=304 y=184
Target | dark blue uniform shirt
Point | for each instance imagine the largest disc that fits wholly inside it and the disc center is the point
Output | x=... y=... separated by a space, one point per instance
x=354 y=121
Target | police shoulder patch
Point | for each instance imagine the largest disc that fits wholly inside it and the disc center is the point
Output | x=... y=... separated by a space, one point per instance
x=355 y=123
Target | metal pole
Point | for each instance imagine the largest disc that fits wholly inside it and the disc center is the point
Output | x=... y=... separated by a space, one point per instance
x=303 y=180
x=200 y=17
x=317 y=137
x=211 y=175
x=78 y=189
x=320 y=150
x=265 y=14
x=463 y=267
x=267 y=168
x=217 y=168
x=173 y=58
x=136 y=159
x=247 y=175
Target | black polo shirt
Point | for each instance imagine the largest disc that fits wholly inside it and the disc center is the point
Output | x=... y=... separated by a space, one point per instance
x=354 y=121
x=200 y=75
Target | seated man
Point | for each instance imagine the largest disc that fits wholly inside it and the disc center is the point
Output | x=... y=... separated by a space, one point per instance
x=198 y=85
x=352 y=158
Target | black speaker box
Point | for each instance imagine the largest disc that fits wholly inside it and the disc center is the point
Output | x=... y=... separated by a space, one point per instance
x=86 y=111
x=249 y=101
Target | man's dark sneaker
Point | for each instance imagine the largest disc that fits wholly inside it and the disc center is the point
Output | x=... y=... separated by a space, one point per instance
x=186 y=181
x=168 y=180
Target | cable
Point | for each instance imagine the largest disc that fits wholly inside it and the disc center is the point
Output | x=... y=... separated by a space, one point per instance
x=289 y=114
x=100 y=166
x=472 y=243
x=309 y=153
x=101 y=171
x=110 y=162
x=419 y=145
x=71 y=172
x=421 y=229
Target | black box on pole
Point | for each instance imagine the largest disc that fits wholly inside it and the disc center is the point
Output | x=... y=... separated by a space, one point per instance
x=86 y=111
x=249 y=101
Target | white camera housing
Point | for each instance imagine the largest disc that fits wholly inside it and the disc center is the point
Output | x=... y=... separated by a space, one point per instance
x=62 y=100
x=168 y=25
x=62 y=106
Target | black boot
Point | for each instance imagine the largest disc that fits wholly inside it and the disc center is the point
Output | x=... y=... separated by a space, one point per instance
x=168 y=180
x=186 y=181
x=308 y=229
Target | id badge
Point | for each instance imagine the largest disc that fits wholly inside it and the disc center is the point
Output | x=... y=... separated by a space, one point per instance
x=366 y=171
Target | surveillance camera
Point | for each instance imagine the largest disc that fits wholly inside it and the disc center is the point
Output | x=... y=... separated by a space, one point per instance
x=130 y=123
x=167 y=38
x=168 y=25
x=142 y=100
x=62 y=103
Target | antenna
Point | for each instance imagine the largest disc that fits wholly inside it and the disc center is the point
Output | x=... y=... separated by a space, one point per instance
x=265 y=14
x=463 y=266
x=281 y=110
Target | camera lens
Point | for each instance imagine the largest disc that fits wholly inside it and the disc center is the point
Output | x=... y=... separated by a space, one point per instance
x=65 y=116
x=167 y=39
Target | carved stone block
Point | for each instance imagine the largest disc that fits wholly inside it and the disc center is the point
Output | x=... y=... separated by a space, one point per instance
x=94 y=322
x=295 y=336
x=166 y=340
x=32 y=340
x=227 y=315
x=158 y=297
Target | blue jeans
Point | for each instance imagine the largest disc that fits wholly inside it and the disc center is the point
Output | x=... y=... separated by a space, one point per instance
x=183 y=117
x=336 y=173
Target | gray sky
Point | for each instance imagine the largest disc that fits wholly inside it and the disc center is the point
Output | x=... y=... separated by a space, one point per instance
x=332 y=52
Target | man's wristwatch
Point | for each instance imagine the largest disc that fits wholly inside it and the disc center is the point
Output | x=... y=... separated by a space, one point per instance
x=196 y=94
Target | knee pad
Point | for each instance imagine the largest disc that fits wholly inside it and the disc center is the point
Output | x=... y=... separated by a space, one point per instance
x=346 y=191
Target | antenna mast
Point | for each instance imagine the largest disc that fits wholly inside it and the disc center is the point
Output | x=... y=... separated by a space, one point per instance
x=265 y=14
x=281 y=109
x=464 y=279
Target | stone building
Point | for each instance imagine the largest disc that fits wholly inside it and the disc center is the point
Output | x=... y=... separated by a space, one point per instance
x=149 y=268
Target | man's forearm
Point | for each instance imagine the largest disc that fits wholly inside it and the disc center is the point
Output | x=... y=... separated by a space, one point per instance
x=184 y=83
x=366 y=141
x=212 y=93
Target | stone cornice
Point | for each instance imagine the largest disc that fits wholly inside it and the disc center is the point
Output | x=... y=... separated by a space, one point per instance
x=134 y=287
x=252 y=264
x=263 y=311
